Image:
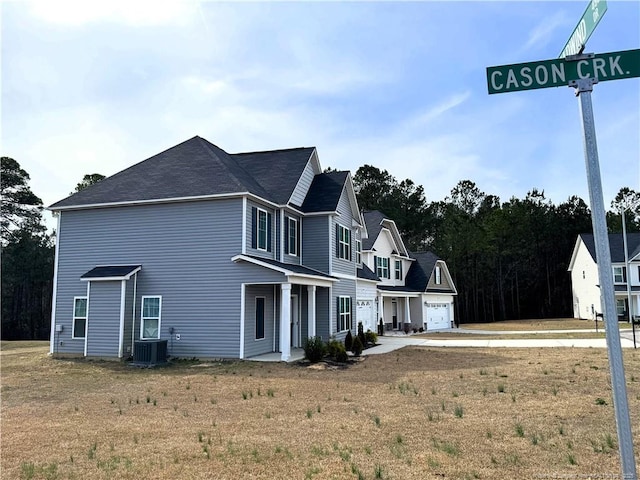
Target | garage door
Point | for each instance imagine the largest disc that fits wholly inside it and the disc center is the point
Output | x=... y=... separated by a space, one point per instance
x=365 y=314
x=437 y=315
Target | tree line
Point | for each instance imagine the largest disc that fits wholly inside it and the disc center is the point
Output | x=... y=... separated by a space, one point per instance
x=508 y=259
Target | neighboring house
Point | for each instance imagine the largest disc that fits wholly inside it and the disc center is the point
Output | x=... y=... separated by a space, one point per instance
x=222 y=255
x=584 y=275
x=415 y=290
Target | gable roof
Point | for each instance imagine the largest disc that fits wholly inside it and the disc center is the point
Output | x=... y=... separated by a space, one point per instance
x=324 y=193
x=375 y=221
x=365 y=273
x=420 y=271
x=197 y=168
x=616 y=246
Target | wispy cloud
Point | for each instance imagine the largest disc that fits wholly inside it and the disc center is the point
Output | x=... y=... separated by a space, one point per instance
x=542 y=34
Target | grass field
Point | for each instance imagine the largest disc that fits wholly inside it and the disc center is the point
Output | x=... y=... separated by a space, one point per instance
x=539 y=324
x=415 y=413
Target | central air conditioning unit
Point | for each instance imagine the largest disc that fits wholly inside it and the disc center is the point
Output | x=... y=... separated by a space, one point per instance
x=150 y=352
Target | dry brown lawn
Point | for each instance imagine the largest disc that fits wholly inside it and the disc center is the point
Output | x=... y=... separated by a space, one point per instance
x=416 y=413
x=539 y=324
x=452 y=335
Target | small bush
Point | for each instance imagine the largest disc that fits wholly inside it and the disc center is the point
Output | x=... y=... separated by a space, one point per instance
x=357 y=347
x=348 y=341
x=334 y=347
x=342 y=357
x=314 y=349
x=371 y=337
x=361 y=336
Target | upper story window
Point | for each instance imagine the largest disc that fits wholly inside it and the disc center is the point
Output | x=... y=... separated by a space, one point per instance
x=79 y=317
x=292 y=234
x=150 y=320
x=382 y=267
x=358 y=251
x=438 y=276
x=398 y=270
x=343 y=242
x=260 y=229
x=619 y=274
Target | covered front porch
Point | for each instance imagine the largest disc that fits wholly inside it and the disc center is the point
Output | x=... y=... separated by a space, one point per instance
x=276 y=318
x=395 y=306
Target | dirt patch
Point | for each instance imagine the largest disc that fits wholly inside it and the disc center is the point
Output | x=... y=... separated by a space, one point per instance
x=416 y=413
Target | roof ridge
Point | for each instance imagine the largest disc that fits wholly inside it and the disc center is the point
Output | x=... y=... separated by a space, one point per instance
x=271 y=151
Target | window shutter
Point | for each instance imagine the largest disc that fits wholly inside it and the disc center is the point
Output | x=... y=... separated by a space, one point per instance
x=375 y=265
x=337 y=240
x=624 y=274
x=254 y=227
x=286 y=234
x=337 y=314
x=349 y=245
x=268 y=232
x=298 y=238
x=388 y=268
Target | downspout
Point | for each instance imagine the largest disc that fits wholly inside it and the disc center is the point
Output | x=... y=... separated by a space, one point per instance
x=123 y=298
x=133 y=312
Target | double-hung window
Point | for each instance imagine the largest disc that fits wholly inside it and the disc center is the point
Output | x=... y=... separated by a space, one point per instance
x=292 y=236
x=343 y=242
x=344 y=314
x=150 y=320
x=619 y=274
x=382 y=267
x=260 y=318
x=262 y=229
x=398 y=269
x=79 y=317
x=358 y=251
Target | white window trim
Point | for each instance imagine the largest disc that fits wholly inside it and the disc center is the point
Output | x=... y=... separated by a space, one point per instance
x=398 y=270
x=346 y=314
x=264 y=320
x=438 y=276
x=344 y=247
x=86 y=314
x=266 y=229
x=384 y=267
x=142 y=317
x=358 y=251
x=622 y=275
x=295 y=236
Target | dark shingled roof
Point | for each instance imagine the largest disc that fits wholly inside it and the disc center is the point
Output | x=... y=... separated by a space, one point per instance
x=391 y=288
x=616 y=245
x=373 y=220
x=196 y=168
x=325 y=191
x=110 y=271
x=420 y=272
x=366 y=273
x=292 y=267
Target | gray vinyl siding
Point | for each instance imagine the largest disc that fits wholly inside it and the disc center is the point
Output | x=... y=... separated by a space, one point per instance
x=444 y=285
x=185 y=250
x=287 y=258
x=253 y=346
x=315 y=243
x=103 y=326
x=275 y=220
x=341 y=265
x=129 y=318
x=299 y=194
x=323 y=318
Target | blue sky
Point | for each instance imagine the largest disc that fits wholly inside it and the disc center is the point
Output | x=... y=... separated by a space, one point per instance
x=96 y=87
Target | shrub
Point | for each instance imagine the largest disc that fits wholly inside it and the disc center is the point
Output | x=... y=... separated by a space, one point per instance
x=357 y=346
x=371 y=337
x=348 y=341
x=341 y=356
x=421 y=329
x=314 y=349
x=363 y=339
x=334 y=347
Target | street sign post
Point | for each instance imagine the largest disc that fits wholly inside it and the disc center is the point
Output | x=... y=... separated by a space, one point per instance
x=587 y=24
x=582 y=72
x=560 y=71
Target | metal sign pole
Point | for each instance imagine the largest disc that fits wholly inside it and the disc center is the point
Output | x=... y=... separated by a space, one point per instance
x=584 y=86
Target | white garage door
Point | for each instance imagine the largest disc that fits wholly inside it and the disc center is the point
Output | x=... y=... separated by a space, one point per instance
x=365 y=315
x=437 y=315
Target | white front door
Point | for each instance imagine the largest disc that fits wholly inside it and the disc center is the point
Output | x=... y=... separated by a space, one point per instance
x=295 y=322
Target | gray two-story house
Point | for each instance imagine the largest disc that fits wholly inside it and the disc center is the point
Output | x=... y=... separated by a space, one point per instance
x=221 y=255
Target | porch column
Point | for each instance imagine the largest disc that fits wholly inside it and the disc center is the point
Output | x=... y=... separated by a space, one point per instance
x=311 y=311
x=381 y=310
x=285 y=321
x=407 y=310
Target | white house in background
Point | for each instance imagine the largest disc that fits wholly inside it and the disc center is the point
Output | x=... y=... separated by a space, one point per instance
x=584 y=275
x=414 y=290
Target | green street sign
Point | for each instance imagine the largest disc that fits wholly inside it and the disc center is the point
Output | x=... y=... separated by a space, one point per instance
x=559 y=72
x=587 y=24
